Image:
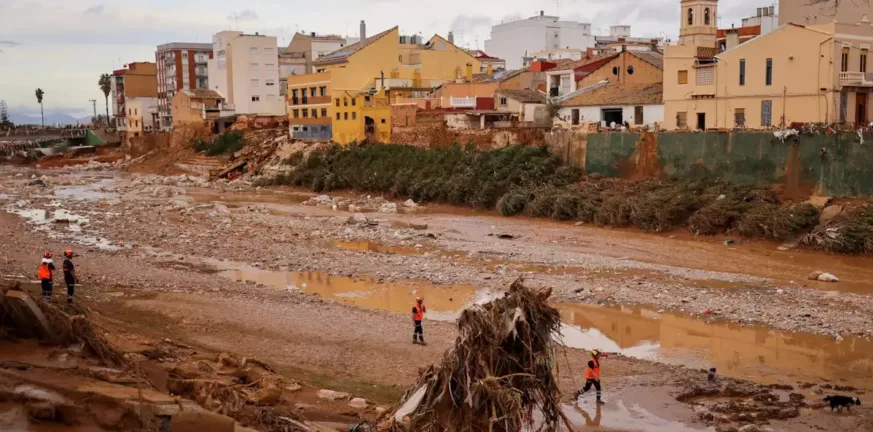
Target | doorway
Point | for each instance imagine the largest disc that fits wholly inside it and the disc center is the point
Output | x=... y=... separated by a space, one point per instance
x=861 y=113
x=701 y=121
x=612 y=115
x=574 y=114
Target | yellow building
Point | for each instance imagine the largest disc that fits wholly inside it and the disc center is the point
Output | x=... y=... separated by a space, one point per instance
x=795 y=74
x=370 y=74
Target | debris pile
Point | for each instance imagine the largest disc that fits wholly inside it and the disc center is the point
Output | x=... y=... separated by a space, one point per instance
x=498 y=375
x=850 y=232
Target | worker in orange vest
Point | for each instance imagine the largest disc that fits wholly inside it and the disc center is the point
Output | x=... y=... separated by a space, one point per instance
x=44 y=274
x=592 y=376
x=418 y=311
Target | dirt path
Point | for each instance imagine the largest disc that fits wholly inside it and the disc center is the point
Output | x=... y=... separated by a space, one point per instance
x=326 y=301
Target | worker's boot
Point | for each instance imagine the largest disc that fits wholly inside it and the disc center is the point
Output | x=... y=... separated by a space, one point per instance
x=577 y=393
x=422 y=341
x=600 y=401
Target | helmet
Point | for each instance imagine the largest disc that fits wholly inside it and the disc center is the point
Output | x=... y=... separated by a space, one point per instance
x=68 y=253
x=418 y=299
x=595 y=352
x=47 y=254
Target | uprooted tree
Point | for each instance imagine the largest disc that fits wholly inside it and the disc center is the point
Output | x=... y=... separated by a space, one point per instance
x=498 y=375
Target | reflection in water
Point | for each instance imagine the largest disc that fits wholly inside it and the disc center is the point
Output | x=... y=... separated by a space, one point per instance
x=368 y=246
x=443 y=302
x=618 y=416
x=754 y=353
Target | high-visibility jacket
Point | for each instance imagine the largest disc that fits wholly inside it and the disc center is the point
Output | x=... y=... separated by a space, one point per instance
x=593 y=370
x=418 y=312
x=44 y=273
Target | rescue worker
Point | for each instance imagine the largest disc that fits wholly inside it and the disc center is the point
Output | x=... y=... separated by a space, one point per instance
x=418 y=311
x=69 y=275
x=592 y=377
x=44 y=274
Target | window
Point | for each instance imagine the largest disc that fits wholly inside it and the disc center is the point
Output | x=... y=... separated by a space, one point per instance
x=766 y=113
x=256 y=98
x=253 y=66
x=271 y=83
x=354 y=115
x=574 y=116
x=270 y=66
x=345 y=102
x=638 y=115
x=337 y=116
x=682 y=119
x=742 y=72
x=296 y=113
x=294 y=93
x=706 y=16
x=740 y=117
x=383 y=121
x=345 y=116
x=256 y=83
x=354 y=101
x=268 y=51
x=305 y=112
x=844 y=67
x=322 y=91
x=253 y=51
x=630 y=70
x=503 y=102
x=844 y=106
x=337 y=102
x=615 y=70
x=690 y=16
x=863 y=61
x=324 y=112
x=683 y=77
x=315 y=113
x=769 y=77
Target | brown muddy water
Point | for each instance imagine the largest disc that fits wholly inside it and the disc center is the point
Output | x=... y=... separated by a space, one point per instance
x=753 y=353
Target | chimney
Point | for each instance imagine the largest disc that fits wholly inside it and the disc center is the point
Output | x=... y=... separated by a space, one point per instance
x=469 y=72
x=542 y=13
x=363 y=33
x=452 y=38
x=489 y=69
x=312 y=34
x=732 y=39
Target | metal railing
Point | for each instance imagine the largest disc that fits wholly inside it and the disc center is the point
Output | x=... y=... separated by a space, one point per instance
x=462 y=102
x=856 y=78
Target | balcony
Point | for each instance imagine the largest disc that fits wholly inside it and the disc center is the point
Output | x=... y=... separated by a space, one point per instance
x=857 y=79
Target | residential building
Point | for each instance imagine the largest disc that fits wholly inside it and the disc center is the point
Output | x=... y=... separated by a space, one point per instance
x=620 y=39
x=521 y=103
x=514 y=40
x=795 y=74
x=495 y=64
x=766 y=18
x=361 y=116
x=197 y=106
x=405 y=66
x=561 y=81
x=297 y=58
x=636 y=104
x=574 y=54
x=810 y=13
x=465 y=94
x=180 y=65
x=764 y=22
x=134 y=94
x=244 y=69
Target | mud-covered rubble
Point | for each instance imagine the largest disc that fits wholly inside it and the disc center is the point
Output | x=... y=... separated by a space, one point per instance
x=363 y=204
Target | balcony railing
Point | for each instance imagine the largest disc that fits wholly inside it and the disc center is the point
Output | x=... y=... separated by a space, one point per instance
x=864 y=79
x=462 y=102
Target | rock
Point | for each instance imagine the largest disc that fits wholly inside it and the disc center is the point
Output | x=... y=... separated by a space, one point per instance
x=358 y=218
x=749 y=428
x=829 y=213
x=418 y=224
x=36 y=182
x=41 y=411
x=294 y=387
x=731 y=242
x=358 y=403
x=331 y=395
x=506 y=236
x=267 y=396
x=819 y=201
x=827 y=277
x=381 y=410
x=221 y=209
x=388 y=208
x=814 y=275
x=780 y=291
x=410 y=203
x=721 y=197
x=579 y=224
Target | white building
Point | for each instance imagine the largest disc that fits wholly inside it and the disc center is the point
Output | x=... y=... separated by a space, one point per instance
x=766 y=17
x=245 y=70
x=636 y=105
x=514 y=40
x=559 y=54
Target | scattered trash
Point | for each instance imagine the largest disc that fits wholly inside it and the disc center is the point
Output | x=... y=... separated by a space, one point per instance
x=410 y=204
x=785 y=133
x=822 y=276
x=331 y=395
x=731 y=242
x=358 y=403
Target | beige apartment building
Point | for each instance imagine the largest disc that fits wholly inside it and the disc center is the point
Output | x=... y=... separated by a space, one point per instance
x=796 y=74
x=244 y=70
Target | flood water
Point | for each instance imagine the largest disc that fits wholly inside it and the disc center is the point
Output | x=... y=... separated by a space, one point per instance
x=754 y=353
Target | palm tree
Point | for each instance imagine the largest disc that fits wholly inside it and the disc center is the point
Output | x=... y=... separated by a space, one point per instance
x=39 y=95
x=105 y=84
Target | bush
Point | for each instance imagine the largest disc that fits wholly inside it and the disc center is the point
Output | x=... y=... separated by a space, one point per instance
x=513 y=202
x=716 y=217
x=777 y=223
x=226 y=143
x=848 y=233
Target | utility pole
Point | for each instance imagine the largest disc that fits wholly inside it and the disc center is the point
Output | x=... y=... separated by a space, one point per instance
x=94 y=105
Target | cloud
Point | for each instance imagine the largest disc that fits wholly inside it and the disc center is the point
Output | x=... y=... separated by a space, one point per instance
x=95 y=10
x=243 y=15
x=9 y=44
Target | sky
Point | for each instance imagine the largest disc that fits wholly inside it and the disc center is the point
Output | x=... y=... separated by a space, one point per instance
x=62 y=46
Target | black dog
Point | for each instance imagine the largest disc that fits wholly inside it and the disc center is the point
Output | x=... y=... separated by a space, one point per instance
x=839 y=402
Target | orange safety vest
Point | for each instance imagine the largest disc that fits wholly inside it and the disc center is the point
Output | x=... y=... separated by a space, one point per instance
x=593 y=372
x=419 y=312
x=44 y=272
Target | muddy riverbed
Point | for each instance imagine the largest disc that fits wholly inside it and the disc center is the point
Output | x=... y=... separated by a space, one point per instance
x=258 y=270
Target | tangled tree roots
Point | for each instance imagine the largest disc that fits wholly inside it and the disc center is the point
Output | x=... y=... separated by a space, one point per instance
x=849 y=233
x=497 y=374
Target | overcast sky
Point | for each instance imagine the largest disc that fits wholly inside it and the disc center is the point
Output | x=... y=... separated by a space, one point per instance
x=63 y=46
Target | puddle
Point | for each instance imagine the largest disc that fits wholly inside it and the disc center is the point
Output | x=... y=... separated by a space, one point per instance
x=368 y=246
x=89 y=192
x=753 y=353
x=624 y=417
x=444 y=303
